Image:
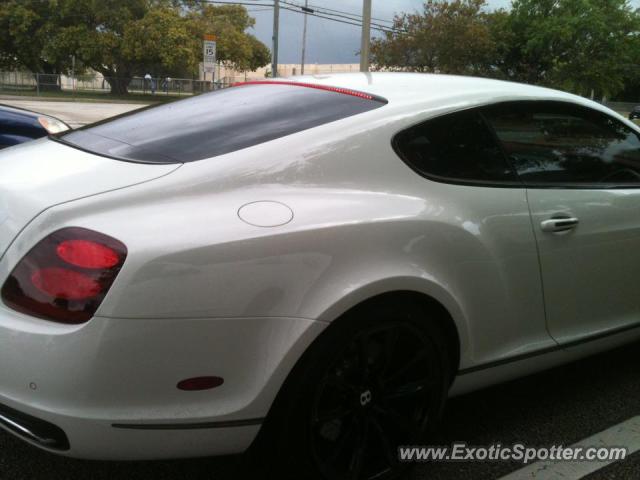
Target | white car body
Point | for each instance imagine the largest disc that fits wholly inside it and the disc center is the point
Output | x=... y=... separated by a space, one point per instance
x=331 y=217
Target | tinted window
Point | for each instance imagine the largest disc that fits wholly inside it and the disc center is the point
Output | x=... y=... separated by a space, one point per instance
x=217 y=123
x=458 y=147
x=561 y=144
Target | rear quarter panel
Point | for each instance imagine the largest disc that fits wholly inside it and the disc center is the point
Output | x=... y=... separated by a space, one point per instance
x=363 y=224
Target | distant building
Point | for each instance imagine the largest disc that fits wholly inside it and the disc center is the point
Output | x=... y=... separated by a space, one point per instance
x=229 y=75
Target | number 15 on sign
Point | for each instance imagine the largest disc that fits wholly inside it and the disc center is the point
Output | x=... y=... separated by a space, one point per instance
x=209 y=51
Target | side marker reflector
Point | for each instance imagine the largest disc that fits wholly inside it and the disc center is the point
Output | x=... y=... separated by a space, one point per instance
x=199 y=383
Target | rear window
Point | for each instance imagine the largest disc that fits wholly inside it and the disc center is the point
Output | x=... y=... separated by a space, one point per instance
x=219 y=122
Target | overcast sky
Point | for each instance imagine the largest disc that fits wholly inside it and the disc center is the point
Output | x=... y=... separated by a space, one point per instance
x=327 y=41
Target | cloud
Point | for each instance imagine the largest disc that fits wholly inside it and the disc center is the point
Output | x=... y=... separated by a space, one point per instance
x=327 y=41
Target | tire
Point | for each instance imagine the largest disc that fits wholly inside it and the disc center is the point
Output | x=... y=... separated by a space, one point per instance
x=377 y=378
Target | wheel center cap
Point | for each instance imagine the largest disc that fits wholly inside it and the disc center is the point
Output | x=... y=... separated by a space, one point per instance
x=365 y=398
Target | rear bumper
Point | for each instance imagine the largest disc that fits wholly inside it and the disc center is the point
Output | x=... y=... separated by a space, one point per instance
x=100 y=440
x=109 y=386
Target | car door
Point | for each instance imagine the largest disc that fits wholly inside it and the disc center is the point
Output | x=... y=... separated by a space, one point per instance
x=478 y=230
x=581 y=168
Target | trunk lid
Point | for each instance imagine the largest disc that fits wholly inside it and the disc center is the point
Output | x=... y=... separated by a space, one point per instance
x=37 y=175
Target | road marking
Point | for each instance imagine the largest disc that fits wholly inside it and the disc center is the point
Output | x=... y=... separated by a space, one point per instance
x=625 y=434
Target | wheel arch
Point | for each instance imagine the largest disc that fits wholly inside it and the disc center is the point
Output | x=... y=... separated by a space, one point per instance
x=413 y=298
x=425 y=291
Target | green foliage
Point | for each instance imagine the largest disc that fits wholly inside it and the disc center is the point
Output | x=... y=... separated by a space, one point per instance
x=121 y=38
x=228 y=23
x=24 y=29
x=446 y=37
x=160 y=40
x=260 y=55
x=576 y=45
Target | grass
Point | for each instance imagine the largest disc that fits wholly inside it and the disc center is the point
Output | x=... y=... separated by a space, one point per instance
x=88 y=96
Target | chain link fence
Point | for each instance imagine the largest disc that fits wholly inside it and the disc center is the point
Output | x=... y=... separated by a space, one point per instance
x=26 y=83
x=44 y=84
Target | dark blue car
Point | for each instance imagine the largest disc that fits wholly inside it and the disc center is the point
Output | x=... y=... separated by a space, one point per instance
x=18 y=126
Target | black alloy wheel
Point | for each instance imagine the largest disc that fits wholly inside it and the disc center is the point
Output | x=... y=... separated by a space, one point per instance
x=374 y=397
x=373 y=382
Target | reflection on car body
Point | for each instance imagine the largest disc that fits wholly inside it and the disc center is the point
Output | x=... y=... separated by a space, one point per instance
x=310 y=266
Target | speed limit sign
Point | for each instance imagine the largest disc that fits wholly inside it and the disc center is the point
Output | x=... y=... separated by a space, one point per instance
x=209 y=49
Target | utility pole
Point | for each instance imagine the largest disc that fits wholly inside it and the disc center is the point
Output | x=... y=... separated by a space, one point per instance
x=304 y=35
x=366 y=36
x=276 y=23
x=73 y=75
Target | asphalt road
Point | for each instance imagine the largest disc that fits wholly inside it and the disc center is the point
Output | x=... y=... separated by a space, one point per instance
x=75 y=114
x=560 y=406
x=619 y=471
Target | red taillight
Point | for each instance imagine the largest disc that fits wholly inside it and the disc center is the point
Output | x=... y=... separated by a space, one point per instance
x=87 y=254
x=65 y=276
x=65 y=284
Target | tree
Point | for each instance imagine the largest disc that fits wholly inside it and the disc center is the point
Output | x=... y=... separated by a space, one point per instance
x=504 y=55
x=446 y=37
x=93 y=31
x=229 y=24
x=24 y=29
x=160 y=42
x=577 y=45
x=121 y=39
x=260 y=55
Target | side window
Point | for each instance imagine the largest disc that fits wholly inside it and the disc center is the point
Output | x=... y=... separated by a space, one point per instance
x=559 y=144
x=455 y=147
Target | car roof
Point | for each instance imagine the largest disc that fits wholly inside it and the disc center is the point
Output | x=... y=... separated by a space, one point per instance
x=438 y=89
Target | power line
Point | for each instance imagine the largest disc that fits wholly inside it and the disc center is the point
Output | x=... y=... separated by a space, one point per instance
x=349 y=13
x=321 y=16
x=355 y=23
x=315 y=7
x=296 y=8
x=330 y=16
x=255 y=3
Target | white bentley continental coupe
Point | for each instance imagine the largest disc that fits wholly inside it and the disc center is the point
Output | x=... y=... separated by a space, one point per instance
x=310 y=265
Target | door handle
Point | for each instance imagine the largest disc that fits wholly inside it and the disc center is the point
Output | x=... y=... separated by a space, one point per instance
x=559 y=225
